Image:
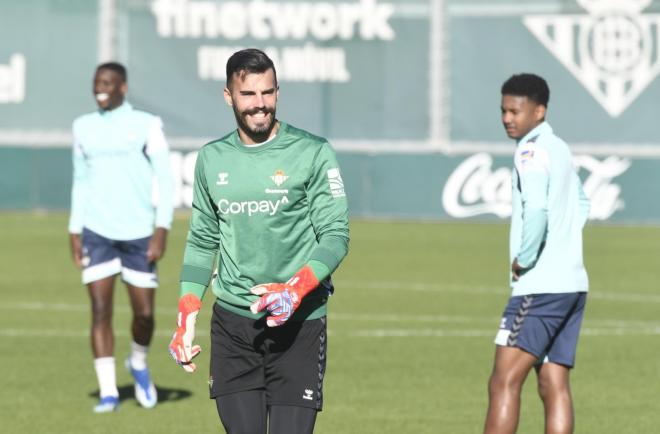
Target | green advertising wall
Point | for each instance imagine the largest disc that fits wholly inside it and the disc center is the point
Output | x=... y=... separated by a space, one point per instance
x=345 y=67
x=430 y=186
x=47 y=52
x=600 y=59
x=406 y=91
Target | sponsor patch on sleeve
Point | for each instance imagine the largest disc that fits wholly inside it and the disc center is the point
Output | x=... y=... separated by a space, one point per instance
x=336 y=183
x=532 y=158
x=526 y=156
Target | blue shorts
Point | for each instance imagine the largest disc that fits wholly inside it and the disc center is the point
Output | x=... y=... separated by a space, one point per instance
x=545 y=325
x=103 y=257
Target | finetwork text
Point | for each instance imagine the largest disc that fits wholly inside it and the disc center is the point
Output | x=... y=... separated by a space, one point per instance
x=261 y=19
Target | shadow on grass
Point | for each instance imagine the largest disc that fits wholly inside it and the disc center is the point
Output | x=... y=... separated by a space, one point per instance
x=165 y=394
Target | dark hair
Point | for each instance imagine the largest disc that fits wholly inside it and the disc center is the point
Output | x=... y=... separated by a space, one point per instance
x=116 y=67
x=249 y=61
x=530 y=85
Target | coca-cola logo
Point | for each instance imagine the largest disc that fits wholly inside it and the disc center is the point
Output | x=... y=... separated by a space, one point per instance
x=475 y=188
x=605 y=196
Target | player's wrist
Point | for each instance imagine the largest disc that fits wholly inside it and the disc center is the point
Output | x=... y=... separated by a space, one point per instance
x=188 y=304
x=160 y=231
x=522 y=264
x=303 y=282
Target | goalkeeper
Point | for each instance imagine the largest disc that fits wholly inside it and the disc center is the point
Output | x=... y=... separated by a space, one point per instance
x=269 y=206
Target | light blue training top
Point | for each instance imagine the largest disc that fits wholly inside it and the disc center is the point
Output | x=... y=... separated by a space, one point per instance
x=119 y=156
x=550 y=209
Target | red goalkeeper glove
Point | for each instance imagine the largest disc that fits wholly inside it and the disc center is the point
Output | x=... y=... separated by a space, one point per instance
x=181 y=347
x=282 y=299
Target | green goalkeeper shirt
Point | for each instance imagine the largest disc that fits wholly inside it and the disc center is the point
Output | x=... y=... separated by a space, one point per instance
x=261 y=213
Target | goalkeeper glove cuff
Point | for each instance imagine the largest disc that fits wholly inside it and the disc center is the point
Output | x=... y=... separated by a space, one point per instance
x=282 y=299
x=181 y=347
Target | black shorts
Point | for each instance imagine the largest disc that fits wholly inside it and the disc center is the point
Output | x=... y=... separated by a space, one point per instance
x=287 y=362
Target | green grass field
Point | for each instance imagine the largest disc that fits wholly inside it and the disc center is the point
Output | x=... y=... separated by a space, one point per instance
x=410 y=327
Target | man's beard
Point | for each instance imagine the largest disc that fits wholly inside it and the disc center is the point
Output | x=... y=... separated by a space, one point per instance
x=258 y=134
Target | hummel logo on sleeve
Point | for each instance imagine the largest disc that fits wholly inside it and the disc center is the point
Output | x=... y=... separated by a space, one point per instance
x=336 y=183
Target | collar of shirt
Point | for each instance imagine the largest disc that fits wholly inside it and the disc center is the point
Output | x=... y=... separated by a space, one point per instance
x=277 y=138
x=543 y=127
x=119 y=111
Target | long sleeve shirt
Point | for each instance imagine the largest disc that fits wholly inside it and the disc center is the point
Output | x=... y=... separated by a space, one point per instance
x=550 y=209
x=119 y=156
x=261 y=213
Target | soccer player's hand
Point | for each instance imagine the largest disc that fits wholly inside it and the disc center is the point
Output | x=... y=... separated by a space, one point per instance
x=517 y=270
x=156 y=249
x=282 y=299
x=182 y=348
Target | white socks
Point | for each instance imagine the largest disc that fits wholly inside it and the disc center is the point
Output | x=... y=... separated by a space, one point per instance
x=105 y=369
x=105 y=373
x=138 y=357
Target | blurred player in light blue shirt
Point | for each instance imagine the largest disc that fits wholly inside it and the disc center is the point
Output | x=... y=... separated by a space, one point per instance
x=120 y=156
x=549 y=212
x=117 y=156
x=542 y=320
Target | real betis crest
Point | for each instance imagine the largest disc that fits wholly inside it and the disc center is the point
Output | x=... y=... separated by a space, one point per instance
x=612 y=50
x=279 y=177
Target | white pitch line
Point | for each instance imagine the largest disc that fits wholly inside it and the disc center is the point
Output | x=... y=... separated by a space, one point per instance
x=72 y=307
x=41 y=306
x=494 y=320
x=467 y=289
x=439 y=333
x=381 y=317
x=617 y=296
x=443 y=333
x=363 y=333
x=56 y=333
x=391 y=285
x=431 y=333
x=609 y=332
x=389 y=317
x=617 y=323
